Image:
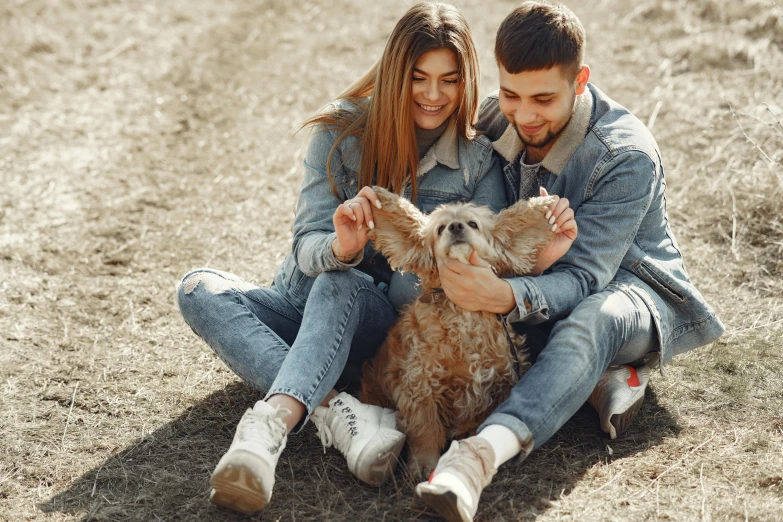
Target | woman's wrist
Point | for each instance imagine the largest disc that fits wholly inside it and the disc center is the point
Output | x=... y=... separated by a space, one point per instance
x=343 y=257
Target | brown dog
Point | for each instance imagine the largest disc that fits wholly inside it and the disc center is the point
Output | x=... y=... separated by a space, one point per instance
x=442 y=367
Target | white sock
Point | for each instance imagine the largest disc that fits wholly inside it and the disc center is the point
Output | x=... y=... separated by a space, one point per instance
x=503 y=441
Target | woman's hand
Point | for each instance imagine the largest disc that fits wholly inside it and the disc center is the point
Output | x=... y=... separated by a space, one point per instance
x=351 y=221
x=561 y=217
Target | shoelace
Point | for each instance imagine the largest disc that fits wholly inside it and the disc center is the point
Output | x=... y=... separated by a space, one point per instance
x=340 y=433
x=469 y=461
x=256 y=425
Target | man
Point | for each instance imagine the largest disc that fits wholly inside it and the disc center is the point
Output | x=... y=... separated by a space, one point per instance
x=619 y=298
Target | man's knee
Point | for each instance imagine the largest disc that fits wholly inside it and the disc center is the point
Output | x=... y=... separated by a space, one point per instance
x=605 y=312
x=597 y=324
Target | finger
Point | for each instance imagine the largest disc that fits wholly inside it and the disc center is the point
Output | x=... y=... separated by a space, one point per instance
x=559 y=208
x=370 y=194
x=552 y=208
x=444 y=273
x=358 y=212
x=475 y=260
x=366 y=212
x=569 y=229
x=344 y=211
x=562 y=205
x=543 y=192
x=567 y=214
x=451 y=267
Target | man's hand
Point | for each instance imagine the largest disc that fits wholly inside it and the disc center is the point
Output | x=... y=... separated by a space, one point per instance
x=475 y=287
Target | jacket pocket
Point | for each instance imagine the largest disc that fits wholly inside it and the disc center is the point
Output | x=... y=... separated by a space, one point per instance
x=659 y=280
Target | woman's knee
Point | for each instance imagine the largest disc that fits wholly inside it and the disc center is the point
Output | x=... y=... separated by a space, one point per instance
x=336 y=283
x=199 y=290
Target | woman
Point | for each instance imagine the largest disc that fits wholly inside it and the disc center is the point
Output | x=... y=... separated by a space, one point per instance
x=407 y=125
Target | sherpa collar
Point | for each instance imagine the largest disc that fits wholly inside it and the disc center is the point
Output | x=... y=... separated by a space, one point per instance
x=445 y=151
x=509 y=145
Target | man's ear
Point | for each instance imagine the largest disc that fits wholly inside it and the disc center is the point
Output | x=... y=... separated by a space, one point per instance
x=582 y=77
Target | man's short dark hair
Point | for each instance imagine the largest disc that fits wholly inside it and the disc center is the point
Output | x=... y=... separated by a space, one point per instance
x=538 y=36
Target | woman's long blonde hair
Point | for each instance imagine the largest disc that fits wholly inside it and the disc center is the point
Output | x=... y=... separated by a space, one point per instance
x=383 y=119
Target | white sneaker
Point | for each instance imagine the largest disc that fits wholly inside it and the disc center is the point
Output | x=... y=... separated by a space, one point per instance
x=366 y=435
x=455 y=486
x=244 y=477
x=618 y=397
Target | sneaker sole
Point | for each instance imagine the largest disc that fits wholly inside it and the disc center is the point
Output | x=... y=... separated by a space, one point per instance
x=382 y=452
x=621 y=421
x=443 y=502
x=236 y=488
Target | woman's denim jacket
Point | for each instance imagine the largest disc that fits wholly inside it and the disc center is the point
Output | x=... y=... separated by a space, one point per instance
x=452 y=170
x=608 y=165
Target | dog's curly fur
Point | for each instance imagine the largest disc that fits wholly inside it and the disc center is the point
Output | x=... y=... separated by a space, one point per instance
x=442 y=367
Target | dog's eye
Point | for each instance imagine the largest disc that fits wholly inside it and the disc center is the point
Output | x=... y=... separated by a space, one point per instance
x=473 y=224
x=441 y=229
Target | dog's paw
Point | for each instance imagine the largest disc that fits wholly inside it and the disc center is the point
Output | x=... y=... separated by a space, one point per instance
x=422 y=465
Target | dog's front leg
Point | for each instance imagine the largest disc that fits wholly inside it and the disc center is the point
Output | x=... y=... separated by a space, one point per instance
x=372 y=391
x=418 y=417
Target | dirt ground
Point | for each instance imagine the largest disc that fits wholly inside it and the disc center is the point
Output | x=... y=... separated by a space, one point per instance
x=141 y=139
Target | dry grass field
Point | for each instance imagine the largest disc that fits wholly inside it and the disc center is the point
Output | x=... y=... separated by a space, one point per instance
x=140 y=139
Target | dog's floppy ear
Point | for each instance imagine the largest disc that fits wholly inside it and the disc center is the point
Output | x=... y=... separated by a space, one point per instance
x=399 y=234
x=520 y=232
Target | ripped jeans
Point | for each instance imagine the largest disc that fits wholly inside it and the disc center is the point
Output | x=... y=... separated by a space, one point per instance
x=279 y=348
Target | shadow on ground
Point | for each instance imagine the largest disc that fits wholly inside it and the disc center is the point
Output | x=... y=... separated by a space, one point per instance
x=165 y=475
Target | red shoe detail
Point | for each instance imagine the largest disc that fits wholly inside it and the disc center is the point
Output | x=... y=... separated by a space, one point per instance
x=633 y=380
x=432 y=476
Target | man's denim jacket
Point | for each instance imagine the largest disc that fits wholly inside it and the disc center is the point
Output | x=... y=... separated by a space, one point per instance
x=452 y=170
x=608 y=165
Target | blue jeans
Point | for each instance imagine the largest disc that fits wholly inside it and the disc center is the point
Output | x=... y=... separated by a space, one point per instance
x=278 y=348
x=610 y=327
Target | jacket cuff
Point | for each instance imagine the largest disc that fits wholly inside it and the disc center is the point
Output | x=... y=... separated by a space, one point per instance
x=531 y=306
x=332 y=263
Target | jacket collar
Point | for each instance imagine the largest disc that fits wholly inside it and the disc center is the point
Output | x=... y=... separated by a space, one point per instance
x=444 y=151
x=510 y=146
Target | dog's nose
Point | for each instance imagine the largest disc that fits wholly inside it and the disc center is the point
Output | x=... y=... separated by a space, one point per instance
x=456 y=227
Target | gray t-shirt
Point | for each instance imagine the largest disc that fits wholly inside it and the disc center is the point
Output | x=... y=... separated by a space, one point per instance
x=528 y=178
x=426 y=138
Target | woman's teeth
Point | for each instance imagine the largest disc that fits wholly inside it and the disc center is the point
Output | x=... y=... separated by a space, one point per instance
x=431 y=108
